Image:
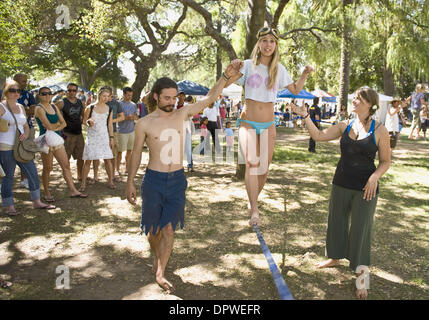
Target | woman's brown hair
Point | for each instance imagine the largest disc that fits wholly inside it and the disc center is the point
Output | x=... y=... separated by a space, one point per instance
x=371 y=96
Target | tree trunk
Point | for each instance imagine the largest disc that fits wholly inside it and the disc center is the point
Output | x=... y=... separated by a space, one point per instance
x=142 y=71
x=218 y=49
x=255 y=21
x=2 y=82
x=84 y=79
x=345 y=58
x=389 y=85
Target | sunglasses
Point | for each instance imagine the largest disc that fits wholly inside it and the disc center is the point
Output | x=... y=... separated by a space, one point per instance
x=13 y=90
x=266 y=30
x=45 y=93
x=72 y=90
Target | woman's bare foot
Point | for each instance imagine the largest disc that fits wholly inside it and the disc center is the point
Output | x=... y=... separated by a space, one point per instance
x=254 y=218
x=167 y=286
x=328 y=263
x=82 y=188
x=361 y=294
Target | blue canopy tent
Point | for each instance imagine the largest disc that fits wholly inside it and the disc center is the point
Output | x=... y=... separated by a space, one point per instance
x=301 y=95
x=329 y=99
x=192 y=88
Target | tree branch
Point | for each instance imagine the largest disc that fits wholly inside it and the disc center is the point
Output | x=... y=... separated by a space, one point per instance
x=210 y=28
x=278 y=13
x=99 y=69
x=176 y=27
x=286 y=35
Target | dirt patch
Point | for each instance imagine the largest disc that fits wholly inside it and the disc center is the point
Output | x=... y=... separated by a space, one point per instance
x=217 y=255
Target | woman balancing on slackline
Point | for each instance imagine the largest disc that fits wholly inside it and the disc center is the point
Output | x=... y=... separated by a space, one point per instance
x=355 y=184
x=262 y=76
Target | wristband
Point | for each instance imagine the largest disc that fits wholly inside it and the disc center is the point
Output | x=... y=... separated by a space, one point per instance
x=225 y=76
x=111 y=137
x=305 y=116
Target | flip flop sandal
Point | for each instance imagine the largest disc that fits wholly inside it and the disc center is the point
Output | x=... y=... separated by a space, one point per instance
x=13 y=213
x=47 y=207
x=50 y=199
x=80 y=195
x=5 y=284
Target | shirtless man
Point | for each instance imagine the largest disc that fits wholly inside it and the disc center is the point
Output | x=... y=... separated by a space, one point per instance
x=164 y=183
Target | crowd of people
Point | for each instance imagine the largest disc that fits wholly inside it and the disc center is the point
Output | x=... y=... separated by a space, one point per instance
x=121 y=126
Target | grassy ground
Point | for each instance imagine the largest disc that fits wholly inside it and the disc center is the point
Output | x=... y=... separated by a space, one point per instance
x=217 y=255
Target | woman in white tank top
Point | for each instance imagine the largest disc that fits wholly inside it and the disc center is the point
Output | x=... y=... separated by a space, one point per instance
x=11 y=94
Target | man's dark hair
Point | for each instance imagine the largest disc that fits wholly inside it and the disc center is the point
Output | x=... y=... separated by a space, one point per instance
x=40 y=89
x=316 y=100
x=71 y=84
x=158 y=86
x=127 y=89
x=189 y=99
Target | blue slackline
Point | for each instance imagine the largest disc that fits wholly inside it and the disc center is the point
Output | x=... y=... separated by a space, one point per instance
x=278 y=279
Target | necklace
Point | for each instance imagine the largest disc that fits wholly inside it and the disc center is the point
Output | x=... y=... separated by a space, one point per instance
x=359 y=129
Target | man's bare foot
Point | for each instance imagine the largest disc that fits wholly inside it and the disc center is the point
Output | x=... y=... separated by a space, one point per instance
x=361 y=294
x=164 y=284
x=155 y=265
x=328 y=263
x=254 y=218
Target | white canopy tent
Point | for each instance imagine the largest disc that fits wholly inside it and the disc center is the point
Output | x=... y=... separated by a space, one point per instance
x=384 y=102
x=234 y=92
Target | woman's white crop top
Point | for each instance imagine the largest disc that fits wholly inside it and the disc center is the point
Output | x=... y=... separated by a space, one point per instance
x=255 y=81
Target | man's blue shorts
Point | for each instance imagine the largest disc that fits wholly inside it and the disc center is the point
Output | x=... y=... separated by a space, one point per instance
x=164 y=199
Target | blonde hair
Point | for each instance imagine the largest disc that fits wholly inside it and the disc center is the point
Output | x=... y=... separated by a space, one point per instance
x=273 y=67
x=101 y=91
x=419 y=87
x=8 y=84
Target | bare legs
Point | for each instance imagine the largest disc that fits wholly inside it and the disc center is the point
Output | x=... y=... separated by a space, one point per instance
x=47 y=160
x=87 y=167
x=258 y=150
x=162 y=244
x=85 y=172
x=79 y=169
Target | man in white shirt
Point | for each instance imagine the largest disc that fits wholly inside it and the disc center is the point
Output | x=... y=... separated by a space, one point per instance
x=212 y=114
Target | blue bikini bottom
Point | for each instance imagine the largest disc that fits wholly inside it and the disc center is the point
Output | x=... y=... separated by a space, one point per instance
x=258 y=126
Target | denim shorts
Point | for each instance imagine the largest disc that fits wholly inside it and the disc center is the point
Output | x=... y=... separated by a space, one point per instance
x=164 y=198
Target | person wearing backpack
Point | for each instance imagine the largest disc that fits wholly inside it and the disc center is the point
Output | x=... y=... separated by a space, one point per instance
x=99 y=139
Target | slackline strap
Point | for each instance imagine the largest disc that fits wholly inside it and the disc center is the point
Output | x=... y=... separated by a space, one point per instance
x=278 y=279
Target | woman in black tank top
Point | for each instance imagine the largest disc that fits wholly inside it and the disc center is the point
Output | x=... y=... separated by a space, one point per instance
x=355 y=185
